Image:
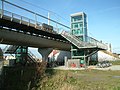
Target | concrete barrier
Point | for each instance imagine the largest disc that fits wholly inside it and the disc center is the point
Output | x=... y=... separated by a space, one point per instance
x=73 y=63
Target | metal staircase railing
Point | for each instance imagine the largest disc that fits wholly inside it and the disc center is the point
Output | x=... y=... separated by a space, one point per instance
x=74 y=40
x=5 y=49
x=10 y=49
x=91 y=43
x=96 y=43
x=32 y=56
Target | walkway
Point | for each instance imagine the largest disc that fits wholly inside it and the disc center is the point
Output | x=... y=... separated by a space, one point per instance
x=114 y=67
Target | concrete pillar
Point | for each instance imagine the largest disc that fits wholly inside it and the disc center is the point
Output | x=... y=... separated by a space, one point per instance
x=66 y=61
x=45 y=52
x=88 y=62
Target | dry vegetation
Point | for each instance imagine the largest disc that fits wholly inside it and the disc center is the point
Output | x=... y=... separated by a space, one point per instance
x=37 y=77
x=80 y=80
x=22 y=77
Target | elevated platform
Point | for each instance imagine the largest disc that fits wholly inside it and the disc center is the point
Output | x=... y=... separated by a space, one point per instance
x=20 y=23
x=21 y=39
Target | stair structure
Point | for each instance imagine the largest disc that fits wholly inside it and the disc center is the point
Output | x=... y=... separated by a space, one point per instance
x=83 y=48
x=32 y=57
x=23 y=55
x=91 y=43
x=86 y=48
x=10 y=49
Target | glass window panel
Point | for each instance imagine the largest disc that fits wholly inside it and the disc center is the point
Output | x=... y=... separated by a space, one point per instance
x=76 y=18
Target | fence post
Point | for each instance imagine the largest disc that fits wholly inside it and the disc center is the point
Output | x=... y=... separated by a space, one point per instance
x=35 y=20
x=2 y=12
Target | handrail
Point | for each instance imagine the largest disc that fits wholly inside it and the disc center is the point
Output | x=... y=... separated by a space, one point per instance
x=91 y=42
x=74 y=39
x=33 y=56
x=36 y=14
x=5 y=49
x=24 y=20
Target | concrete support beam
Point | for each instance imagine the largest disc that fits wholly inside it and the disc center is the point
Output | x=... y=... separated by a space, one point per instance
x=45 y=52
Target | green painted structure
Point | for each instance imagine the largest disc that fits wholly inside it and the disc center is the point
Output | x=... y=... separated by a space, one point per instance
x=79 y=29
x=21 y=54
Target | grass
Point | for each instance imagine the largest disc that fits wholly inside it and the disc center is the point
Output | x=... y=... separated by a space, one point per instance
x=80 y=80
x=28 y=79
x=117 y=62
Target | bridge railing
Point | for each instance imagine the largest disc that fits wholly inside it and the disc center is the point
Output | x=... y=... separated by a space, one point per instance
x=23 y=20
x=96 y=42
x=19 y=19
x=33 y=17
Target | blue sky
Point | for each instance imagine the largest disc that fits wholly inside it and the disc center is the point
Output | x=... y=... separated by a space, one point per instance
x=103 y=15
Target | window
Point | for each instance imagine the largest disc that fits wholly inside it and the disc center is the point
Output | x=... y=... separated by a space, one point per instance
x=76 y=18
x=75 y=25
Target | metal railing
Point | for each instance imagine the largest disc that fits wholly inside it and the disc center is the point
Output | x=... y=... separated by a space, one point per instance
x=20 y=19
x=90 y=43
x=36 y=15
x=74 y=40
x=24 y=20
x=96 y=42
x=6 y=48
x=10 y=49
x=32 y=56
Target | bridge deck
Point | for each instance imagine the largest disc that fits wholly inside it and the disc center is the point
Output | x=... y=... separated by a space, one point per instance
x=22 y=39
x=25 y=26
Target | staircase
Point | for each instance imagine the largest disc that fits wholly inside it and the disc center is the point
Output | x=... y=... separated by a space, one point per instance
x=32 y=57
x=10 y=49
x=91 y=43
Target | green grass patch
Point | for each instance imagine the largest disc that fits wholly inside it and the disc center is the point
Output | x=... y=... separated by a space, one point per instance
x=117 y=62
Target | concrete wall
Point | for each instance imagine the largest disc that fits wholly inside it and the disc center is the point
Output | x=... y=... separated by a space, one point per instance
x=73 y=63
x=103 y=56
x=57 y=55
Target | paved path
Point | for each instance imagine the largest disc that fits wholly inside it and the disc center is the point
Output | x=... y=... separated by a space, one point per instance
x=114 y=67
